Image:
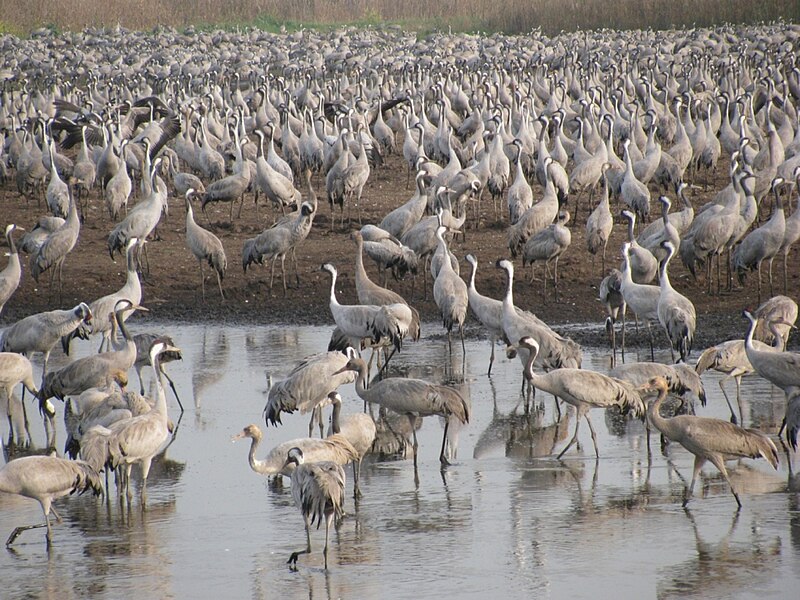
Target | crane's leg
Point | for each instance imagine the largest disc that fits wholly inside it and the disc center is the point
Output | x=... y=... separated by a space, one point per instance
x=594 y=436
x=771 y=290
x=785 y=257
x=328 y=520
x=442 y=458
x=219 y=284
x=356 y=477
x=202 y=279
x=720 y=464
x=491 y=358
x=555 y=278
x=699 y=461
x=272 y=271
x=724 y=393
x=759 y=283
x=311 y=422
x=283 y=272
x=574 y=437
x=296 y=274
x=412 y=421
x=172 y=385
x=624 y=312
x=293 y=557
x=145 y=472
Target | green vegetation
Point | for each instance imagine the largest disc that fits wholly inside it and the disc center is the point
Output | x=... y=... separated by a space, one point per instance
x=511 y=16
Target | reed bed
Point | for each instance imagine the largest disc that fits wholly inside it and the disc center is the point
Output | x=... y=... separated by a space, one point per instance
x=512 y=16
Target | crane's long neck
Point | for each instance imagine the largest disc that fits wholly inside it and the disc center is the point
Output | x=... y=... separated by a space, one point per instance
x=663 y=273
x=654 y=415
x=335 y=416
x=161 y=397
x=259 y=466
x=631 y=222
x=472 y=276
x=508 y=300
x=361 y=382
x=333 y=300
x=748 y=340
x=361 y=272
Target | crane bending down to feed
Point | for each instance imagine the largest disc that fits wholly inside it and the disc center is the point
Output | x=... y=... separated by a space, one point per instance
x=46 y=478
x=413 y=398
x=708 y=439
x=582 y=389
x=318 y=491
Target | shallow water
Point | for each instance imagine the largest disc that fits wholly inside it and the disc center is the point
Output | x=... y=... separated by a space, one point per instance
x=507 y=519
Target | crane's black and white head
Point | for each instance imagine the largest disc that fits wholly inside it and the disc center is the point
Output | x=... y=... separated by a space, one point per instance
x=505 y=265
x=306 y=209
x=9 y=228
x=665 y=201
x=159 y=346
x=329 y=268
x=626 y=214
x=529 y=343
x=295 y=456
x=471 y=260
x=84 y=312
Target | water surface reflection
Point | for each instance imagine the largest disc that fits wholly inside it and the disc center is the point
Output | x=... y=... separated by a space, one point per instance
x=507 y=516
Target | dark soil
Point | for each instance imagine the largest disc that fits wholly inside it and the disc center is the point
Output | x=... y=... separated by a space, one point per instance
x=172 y=288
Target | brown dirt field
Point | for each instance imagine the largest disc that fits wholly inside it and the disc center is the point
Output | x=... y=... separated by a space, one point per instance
x=172 y=289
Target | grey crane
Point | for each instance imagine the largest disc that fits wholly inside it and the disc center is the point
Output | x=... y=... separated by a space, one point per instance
x=781 y=369
x=369 y=292
x=45 y=479
x=277 y=241
x=633 y=192
x=792 y=230
x=680 y=220
x=582 y=389
x=681 y=378
x=536 y=218
x=413 y=398
x=404 y=217
x=599 y=224
x=42 y=331
x=102 y=309
x=118 y=189
x=555 y=351
x=275 y=186
x=206 y=247
x=776 y=314
x=731 y=359
x=357 y=428
x=96 y=370
x=360 y=321
x=307 y=386
x=318 y=491
x=610 y=294
x=334 y=448
x=450 y=294
x=519 y=195
x=139 y=439
x=487 y=310
x=144 y=341
x=762 y=244
x=676 y=312
x=230 y=188
x=57 y=193
x=33 y=240
x=12 y=274
x=85 y=171
x=548 y=245
x=54 y=249
x=641 y=298
x=140 y=221
x=708 y=439
x=668 y=232
x=15 y=369
x=643 y=264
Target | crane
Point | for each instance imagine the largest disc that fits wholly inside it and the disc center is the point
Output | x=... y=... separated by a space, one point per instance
x=44 y=479
x=708 y=439
x=582 y=389
x=205 y=246
x=318 y=491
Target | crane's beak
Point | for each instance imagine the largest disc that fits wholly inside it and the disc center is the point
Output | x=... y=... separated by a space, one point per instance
x=238 y=436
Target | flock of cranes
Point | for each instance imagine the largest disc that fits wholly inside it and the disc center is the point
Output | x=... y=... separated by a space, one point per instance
x=533 y=124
